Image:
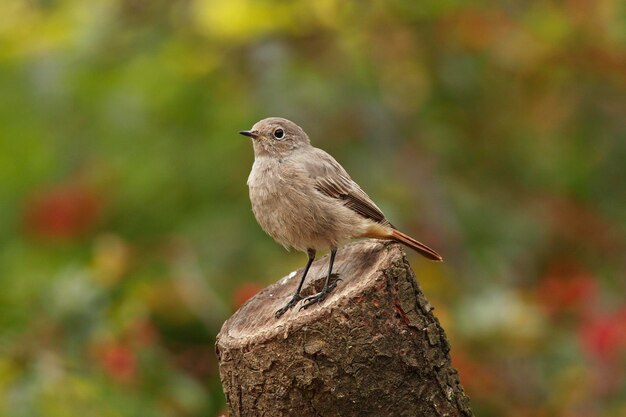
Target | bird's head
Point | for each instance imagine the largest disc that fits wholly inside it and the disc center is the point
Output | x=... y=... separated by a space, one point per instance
x=276 y=136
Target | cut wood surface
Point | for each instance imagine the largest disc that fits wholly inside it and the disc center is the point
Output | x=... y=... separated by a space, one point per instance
x=372 y=348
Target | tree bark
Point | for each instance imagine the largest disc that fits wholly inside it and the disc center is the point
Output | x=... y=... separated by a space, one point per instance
x=372 y=348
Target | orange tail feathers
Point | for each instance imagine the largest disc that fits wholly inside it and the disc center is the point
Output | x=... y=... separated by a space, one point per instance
x=415 y=245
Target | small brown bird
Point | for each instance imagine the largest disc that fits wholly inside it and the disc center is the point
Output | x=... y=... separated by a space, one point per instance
x=304 y=199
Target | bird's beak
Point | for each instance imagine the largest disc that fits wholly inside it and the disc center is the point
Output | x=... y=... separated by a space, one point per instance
x=249 y=133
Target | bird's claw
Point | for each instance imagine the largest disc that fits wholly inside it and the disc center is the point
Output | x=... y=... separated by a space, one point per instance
x=291 y=304
x=319 y=297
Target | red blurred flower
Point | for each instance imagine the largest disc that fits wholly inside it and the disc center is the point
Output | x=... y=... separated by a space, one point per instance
x=604 y=337
x=567 y=288
x=118 y=361
x=244 y=292
x=64 y=211
x=603 y=340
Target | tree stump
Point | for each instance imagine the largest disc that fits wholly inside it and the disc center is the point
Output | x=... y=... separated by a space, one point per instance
x=372 y=348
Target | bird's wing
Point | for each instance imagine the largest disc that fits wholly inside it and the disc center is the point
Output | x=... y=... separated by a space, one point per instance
x=332 y=180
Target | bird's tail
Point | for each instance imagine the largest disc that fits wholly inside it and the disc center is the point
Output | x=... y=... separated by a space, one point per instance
x=415 y=245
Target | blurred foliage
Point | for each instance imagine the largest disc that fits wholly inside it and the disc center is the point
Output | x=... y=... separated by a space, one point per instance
x=493 y=131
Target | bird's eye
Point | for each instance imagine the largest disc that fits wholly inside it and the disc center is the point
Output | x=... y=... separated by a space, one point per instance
x=279 y=133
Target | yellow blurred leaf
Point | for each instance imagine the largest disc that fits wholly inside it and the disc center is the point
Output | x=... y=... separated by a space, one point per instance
x=241 y=19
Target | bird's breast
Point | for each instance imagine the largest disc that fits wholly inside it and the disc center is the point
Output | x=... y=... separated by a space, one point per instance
x=273 y=196
x=290 y=209
x=266 y=182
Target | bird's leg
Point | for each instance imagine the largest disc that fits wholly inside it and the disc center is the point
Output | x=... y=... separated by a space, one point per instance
x=328 y=286
x=297 y=297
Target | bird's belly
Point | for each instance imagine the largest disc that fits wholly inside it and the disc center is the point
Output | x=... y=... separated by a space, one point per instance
x=300 y=217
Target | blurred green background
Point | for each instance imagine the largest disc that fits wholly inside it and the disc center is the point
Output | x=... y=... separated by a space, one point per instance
x=493 y=131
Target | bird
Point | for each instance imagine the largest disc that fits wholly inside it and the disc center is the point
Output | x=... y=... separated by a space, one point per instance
x=304 y=199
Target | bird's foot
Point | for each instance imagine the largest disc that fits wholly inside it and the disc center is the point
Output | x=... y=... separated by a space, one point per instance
x=291 y=304
x=320 y=296
x=334 y=279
